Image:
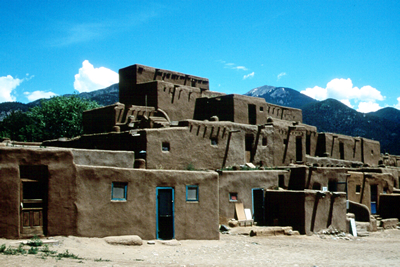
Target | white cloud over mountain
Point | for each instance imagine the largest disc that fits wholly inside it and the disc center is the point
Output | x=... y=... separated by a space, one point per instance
x=90 y=78
x=38 y=95
x=342 y=89
x=7 y=85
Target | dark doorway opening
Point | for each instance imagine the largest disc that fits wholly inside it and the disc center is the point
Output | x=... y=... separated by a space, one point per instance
x=165 y=213
x=299 y=149
x=258 y=206
x=252 y=114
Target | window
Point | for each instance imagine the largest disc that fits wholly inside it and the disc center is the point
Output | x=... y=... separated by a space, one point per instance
x=233 y=197
x=264 y=141
x=358 y=189
x=192 y=193
x=118 y=191
x=261 y=109
x=214 y=141
x=165 y=146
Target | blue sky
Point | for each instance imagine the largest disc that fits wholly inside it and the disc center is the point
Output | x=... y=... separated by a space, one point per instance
x=347 y=50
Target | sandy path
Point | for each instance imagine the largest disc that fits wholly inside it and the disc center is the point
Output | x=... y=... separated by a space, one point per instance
x=379 y=249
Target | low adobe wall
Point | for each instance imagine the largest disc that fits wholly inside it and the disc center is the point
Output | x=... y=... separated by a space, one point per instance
x=306 y=211
x=99 y=216
x=61 y=211
x=93 y=157
x=242 y=183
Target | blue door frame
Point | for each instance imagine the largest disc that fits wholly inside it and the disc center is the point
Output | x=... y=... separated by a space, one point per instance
x=165 y=213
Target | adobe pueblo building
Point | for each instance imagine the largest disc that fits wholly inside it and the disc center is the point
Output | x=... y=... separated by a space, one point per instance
x=173 y=159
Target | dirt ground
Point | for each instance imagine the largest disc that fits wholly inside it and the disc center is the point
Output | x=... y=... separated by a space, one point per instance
x=379 y=249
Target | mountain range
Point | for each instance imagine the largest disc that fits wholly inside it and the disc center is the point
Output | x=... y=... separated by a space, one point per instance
x=329 y=115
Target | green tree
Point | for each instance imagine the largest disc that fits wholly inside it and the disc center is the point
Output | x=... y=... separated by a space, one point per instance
x=59 y=116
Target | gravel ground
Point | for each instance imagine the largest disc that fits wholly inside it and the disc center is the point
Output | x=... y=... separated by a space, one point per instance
x=378 y=249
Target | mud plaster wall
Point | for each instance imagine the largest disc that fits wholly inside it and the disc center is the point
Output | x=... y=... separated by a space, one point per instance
x=372 y=151
x=61 y=211
x=306 y=211
x=130 y=76
x=192 y=148
x=242 y=183
x=384 y=182
x=320 y=177
x=101 y=120
x=324 y=210
x=263 y=110
x=99 y=216
x=122 y=159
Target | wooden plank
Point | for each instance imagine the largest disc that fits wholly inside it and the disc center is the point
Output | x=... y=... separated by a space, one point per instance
x=240 y=211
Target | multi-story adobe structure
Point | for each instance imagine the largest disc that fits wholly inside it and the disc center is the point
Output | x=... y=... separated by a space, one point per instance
x=167 y=123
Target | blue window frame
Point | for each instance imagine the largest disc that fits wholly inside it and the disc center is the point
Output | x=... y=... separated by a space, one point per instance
x=192 y=193
x=119 y=191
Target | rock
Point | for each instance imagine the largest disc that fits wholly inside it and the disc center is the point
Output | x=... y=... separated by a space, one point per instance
x=127 y=240
x=233 y=223
x=151 y=242
x=223 y=228
x=172 y=242
x=390 y=223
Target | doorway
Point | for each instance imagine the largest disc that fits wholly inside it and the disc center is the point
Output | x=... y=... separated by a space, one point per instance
x=165 y=213
x=258 y=206
x=33 y=200
x=252 y=114
x=299 y=149
x=374 y=198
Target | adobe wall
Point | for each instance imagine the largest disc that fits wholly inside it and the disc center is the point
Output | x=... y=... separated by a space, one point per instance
x=323 y=210
x=102 y=119
x=348 y=148
x=178 y=101
x=108 y=141
x=242 y=183
x=130 y=76
x=359 y=186
x=306 y=211
x=286 y=135
x=99 y=216
x=61 y=211
x=114 y=118
x=235 y=108
x=372 y=150
x=94 y=157
x=193 y=147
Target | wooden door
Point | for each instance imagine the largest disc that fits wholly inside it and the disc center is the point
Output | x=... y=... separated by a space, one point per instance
x=33 y=199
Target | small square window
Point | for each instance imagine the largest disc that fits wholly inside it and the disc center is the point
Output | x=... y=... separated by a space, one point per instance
x=118 y=191
x=214 y=141
x=165 y=146
x=233 y=196
x=261 y=109
x=358 y=188
x=264 y=141
x=192 y=193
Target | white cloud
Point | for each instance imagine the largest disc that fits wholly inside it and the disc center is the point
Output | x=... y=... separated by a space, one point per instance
x=250 y=75
x=346 y=102
x=344 y=90
x=398 y=103
x=7 y=85
x=280 y=75
x=239 y=68
x=89 y=78
x=316 y=92
x=366 y=107
x=38 y=95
